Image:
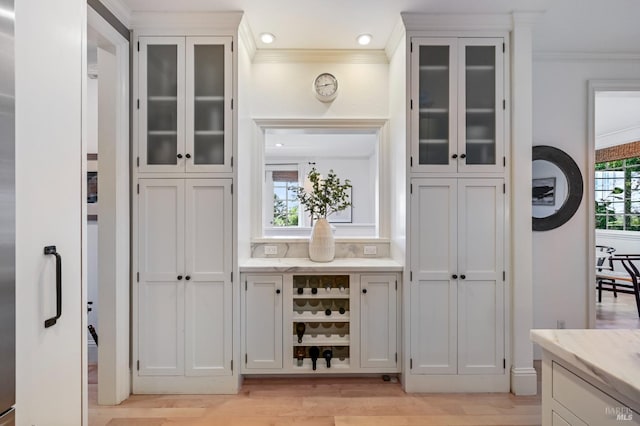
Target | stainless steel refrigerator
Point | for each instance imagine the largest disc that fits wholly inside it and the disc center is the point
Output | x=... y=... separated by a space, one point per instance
x=7 y=216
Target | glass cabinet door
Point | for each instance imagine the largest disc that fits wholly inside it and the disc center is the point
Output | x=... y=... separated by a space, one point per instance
x=434 y=117
x=208 y=113
x=161 y=101
x=481 y=105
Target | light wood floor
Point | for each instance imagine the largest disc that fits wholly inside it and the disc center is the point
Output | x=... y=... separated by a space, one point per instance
x=318 y=402
x=620 y=312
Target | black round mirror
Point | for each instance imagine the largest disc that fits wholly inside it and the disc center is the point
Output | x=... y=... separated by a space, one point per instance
x=556 y=187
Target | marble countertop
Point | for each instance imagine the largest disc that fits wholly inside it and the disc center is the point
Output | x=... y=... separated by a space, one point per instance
x=290 y=264
x=611 y=357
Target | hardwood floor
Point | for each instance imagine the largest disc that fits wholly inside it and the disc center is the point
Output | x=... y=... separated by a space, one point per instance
x=318 y=402
x=620 y=312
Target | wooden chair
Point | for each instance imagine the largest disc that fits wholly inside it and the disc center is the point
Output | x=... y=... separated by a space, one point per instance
x=618 y=281
x=605 y=263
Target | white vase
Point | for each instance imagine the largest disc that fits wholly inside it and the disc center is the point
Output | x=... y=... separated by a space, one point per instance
x=322 y=247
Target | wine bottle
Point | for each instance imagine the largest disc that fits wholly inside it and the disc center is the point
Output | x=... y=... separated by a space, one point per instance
x=327 y=312
x=300 y=353
x=328 y=354
x=300 y=327
x=314 y=353
x=342 y=310
x=300 y=290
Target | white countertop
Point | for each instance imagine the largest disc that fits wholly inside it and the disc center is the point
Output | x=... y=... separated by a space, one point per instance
x=348 y=264
x=611 y=357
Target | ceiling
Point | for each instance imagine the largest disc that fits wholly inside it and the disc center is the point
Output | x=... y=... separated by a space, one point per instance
x=567 y=25
x=300 y=143
x=617 y=118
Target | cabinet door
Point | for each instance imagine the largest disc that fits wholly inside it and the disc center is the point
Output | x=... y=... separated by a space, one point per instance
x=480 y=267
x=208 y=107
x=433 y=113
x=378 y=321
x=263 y=321
x=161 y=286
x=208 y=265
x=480 y=105
x=162 y=101
x=433 y=290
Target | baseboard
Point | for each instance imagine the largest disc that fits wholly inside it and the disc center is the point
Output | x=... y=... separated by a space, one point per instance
x=524 y=381
x=452 y=383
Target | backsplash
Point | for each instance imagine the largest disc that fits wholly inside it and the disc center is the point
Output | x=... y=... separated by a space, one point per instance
x=301 y=249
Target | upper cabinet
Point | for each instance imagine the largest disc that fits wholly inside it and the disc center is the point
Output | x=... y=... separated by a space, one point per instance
x=185 y=104
x=457 y=105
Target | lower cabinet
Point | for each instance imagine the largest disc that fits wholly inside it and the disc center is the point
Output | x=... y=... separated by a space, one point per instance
x=319 y=323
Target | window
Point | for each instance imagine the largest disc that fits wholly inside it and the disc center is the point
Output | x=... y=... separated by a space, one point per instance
x=281 y=183
x=617 y=186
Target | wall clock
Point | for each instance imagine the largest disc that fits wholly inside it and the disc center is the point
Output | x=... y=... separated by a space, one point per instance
x=325 y=87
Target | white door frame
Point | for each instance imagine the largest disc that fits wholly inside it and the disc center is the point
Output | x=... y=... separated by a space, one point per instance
x=594 y=87
x=114 y=372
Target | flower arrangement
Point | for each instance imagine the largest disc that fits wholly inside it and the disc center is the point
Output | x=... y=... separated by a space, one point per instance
x=324 y=196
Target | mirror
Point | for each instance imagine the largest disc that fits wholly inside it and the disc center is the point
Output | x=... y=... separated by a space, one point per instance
x=556 y=187
x=289 y=154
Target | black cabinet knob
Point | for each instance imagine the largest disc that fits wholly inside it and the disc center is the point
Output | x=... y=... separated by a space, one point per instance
x=187 y=278
x=364 y=290
x=462 y=277
x=179 y=155
x=463 y=155
x=454 y=276
x=179 y=277
x=278 y=291
x=454 y=156
x=188 y=155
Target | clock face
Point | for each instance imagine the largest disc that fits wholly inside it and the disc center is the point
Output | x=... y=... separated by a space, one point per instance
x=325 y=87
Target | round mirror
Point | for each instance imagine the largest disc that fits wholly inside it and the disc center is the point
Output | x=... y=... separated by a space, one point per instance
x=556 y=188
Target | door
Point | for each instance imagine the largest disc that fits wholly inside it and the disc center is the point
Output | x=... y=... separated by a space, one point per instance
x=161 y=293
x=263 y=310
x=480 y=276
x=208 y=106
x=433 y=287
x=378 y=345
x=49 y=180
x=161 y=99
x=207 y=281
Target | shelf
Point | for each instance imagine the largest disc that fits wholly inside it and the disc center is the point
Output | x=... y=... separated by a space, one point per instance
x=321 y=365
x=481 y=141
x=334 y=293
x=480 y=110
x=320 y=316
x=162 y=132
x=209 y=98
x=434 y=68
x=209 y=132
x=162 y=98
x=321 y=339
x=480 y=68
x=434 y=141
x=434 y=110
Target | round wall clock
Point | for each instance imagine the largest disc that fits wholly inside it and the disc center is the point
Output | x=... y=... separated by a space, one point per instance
x=325 y=86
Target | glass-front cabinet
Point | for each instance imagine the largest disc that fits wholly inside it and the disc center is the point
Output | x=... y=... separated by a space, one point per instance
x=457 y=105
x=185 y=102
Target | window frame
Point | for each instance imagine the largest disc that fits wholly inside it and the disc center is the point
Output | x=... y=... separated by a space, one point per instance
x=627 y=193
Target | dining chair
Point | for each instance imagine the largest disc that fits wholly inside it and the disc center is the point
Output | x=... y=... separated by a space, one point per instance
x=623 y=282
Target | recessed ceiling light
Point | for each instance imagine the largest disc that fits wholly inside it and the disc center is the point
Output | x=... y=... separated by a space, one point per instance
x=267 y=38
x=278 y=145
x=364 y=39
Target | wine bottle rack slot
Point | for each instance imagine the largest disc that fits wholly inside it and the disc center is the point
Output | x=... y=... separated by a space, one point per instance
x=324 y=357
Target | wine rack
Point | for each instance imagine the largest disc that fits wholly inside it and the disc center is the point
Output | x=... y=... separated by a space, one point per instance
x=321 y=314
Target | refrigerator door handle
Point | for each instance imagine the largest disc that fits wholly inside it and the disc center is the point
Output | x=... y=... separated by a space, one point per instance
x=52 y=250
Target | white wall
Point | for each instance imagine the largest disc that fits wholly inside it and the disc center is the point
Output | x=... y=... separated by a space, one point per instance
x=560 y=256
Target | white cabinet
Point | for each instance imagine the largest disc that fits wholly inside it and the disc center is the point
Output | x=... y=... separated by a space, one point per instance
x=184 y=104
x=262 y=327
x=457 y=276
x=378 y=322
x=184 y=296
x=457 y=105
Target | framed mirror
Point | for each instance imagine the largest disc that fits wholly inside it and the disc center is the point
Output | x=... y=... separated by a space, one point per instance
x=557 y=187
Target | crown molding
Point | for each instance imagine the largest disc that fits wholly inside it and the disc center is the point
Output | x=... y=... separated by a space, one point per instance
x=395 y=38
x=246 y=36
x=558 y=56
x=119 y=10
x=456 y=22
x=177 y=23
x=345 y=56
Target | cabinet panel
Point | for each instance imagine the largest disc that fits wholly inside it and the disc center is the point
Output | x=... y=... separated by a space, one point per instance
x=161 y=97
x=263 y=321
x=378 y=321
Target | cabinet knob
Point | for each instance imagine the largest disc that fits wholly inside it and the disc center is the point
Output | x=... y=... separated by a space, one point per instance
x=278 y=291
x=462 y=277
x=187 y=155
x=187 y=278
x=364 y=290
x=179 y=277
x=179 y=155
x=454 y=156
x=454 y=276
x=463 y=155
